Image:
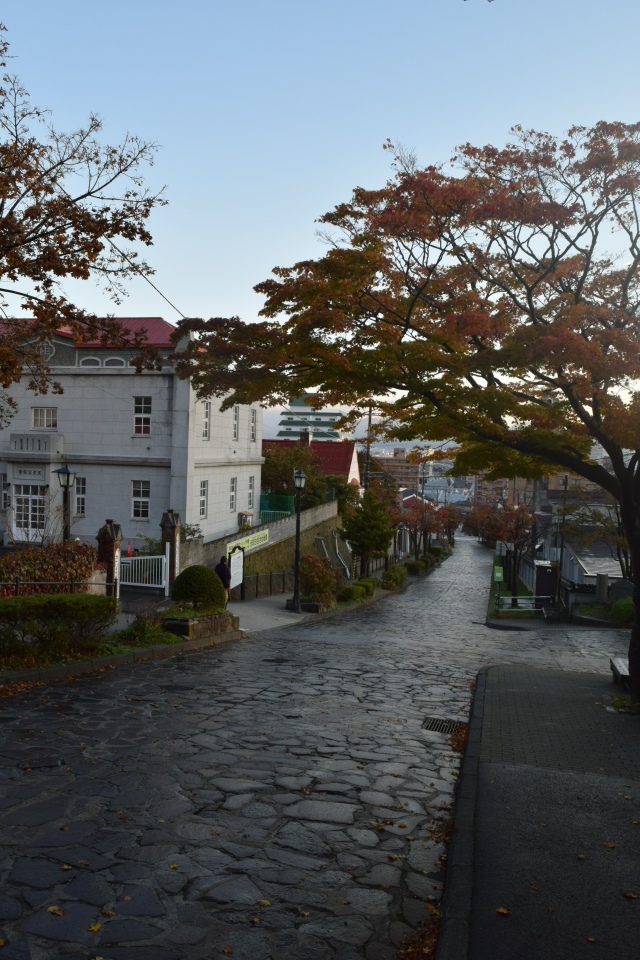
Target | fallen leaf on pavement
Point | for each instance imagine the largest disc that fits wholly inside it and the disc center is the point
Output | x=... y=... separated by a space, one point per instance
x=610 y=846
x=264 y=903
x=504 y=911
x=55 y=911
x=66 y=866
x=95 y=927
x=630 y=896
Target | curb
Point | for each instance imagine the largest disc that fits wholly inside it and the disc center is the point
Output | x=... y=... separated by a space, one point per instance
x=68 y=671
x=453 y=943
x=494 y=624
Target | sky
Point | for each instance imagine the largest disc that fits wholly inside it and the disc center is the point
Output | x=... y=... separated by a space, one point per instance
x=268 y=114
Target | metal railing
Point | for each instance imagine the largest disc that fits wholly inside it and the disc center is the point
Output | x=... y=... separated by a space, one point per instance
x=524 y=602
x=270 y=516
x=18 y=587
x=257 y=585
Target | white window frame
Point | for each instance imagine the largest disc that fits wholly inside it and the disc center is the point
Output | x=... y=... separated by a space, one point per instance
x=44 y=418
x=140 y=499
x=80 y=486
x=236 y=422
x=252 y=484
x=6 y=491
x=204 y=498
x=254 y=425
x=206 y=420
x=233 y=494
x=142 y=408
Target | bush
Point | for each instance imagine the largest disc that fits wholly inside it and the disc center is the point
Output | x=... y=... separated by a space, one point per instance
x=415 y=567
x=623 y=611
x=351 y=593
x=199 y=586
x=369 y=585
x=436 y=552
x=394 y=578
x=318 y=581
x=56 y=564
x=55 y=625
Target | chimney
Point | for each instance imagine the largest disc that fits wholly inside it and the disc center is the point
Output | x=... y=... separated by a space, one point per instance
x=305 y=438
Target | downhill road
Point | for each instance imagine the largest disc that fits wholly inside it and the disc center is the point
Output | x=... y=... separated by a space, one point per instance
x=277 y=798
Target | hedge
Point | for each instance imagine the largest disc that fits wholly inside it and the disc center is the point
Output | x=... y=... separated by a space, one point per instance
x=200 y=586
x=415 y=567
x=352 y=592
x=623 y=611
x=369 y=585
x=55 y=625
x=394 y=578
x=57 y=564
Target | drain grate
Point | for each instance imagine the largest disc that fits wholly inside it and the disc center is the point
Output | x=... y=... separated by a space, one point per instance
x=439 y=725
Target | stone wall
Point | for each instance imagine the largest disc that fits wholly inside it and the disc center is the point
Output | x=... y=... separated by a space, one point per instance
x=277 y=556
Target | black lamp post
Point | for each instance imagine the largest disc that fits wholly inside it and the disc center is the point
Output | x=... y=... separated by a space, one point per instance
x=67 y=479
x=299 y=480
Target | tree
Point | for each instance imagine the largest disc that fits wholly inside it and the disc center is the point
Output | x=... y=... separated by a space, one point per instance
x=280 y=463
x=65 y=199
x=497 y=304
x=422 y=519
x=368 y=528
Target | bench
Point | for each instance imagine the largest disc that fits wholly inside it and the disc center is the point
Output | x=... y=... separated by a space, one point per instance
x=620 y=670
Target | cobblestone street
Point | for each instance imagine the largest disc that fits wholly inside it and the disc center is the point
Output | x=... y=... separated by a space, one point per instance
x=275 y=799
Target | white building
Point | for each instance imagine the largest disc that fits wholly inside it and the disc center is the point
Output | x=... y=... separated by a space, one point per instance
x=139 y=444
x=301 y=418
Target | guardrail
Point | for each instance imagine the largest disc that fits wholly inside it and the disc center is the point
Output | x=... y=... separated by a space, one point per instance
x=525 y=602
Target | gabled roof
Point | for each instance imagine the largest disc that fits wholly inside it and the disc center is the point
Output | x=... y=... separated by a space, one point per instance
x=158 y=332
x=335 y=459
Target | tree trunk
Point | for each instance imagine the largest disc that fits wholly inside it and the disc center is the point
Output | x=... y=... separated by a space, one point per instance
x=630 y=516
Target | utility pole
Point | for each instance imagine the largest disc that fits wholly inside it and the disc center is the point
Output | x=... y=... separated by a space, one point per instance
x=367 y=460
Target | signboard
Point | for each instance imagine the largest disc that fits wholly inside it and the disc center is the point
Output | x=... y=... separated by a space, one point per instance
x=497 y=574
x=251 y=542
x=236 y=566
x=28 y=473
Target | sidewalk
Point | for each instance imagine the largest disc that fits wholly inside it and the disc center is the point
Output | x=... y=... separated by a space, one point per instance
x=546 y=846
x=266 y=612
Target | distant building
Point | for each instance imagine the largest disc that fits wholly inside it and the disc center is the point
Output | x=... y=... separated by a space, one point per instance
x=300 y=417
x=335 y=459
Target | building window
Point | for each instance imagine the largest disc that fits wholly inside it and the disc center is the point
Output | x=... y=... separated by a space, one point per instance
x=114 y=362
x=236 y=422
x=254 y=426
x=233 y=490
x=45 y=418
x=6 y=488
x=251 y=489
x=81 y=493
x=30 y=508
x=142 y=415
x=204 y=496
x=141 y=490
x=206 y=420
x=89 y=362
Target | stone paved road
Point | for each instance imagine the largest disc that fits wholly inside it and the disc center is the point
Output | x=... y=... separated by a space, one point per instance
x=277 y=799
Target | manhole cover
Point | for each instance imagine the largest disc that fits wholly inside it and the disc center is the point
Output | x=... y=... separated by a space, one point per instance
x=439 y=725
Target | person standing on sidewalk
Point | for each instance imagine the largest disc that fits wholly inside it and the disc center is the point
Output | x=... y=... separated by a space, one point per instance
x=224 y=573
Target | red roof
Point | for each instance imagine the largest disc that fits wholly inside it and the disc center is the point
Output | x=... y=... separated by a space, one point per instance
x=335 y=458
x=158 y=332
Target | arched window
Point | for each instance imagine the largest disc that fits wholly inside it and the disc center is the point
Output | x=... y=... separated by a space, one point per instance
x=89 y=362
x=114 y=362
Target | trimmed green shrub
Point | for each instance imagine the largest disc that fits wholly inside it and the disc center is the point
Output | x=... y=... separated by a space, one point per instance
x=415 y=567
x=55 y=625
x=52 y=567
x=623 y=611
x=318 y=580
x=369 y=585
x=394 y=578
x=436 y=551
x=200 y=586
x=351 y=592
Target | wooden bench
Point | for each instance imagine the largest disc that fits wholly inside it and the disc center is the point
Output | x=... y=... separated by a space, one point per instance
x=620 y=670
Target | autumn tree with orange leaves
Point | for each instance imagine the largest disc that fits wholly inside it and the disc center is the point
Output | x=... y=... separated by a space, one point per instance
x=496 y=302
x=67 y=205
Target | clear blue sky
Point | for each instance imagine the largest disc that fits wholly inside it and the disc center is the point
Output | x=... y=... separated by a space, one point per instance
x=269 y=113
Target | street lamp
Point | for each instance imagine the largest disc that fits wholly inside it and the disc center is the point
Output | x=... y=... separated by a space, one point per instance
x=67 y=479
x=299 y=481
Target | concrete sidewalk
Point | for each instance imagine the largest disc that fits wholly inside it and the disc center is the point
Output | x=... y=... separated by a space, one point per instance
x=546 y=847
x=266 y=612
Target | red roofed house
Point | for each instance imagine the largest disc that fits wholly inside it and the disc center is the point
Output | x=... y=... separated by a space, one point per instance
x=139 y=443
x=336 y=459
